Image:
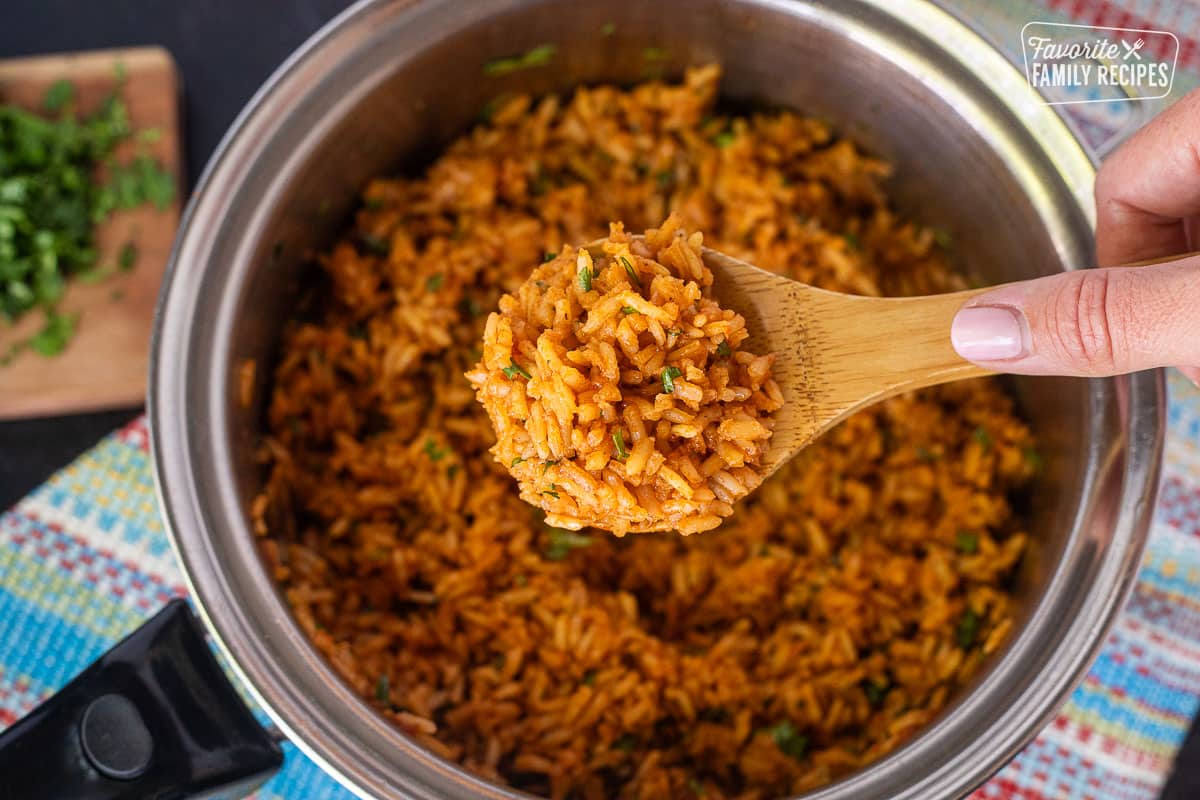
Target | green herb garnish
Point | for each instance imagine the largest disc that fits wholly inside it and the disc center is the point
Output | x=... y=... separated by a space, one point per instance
x=51 y=201
x=539 y=56
x=619 y=441
x=789 y=740
x=563 y=542
x=52 y=339
x=383 y=689
x=981 y=435
x=589 y=678
x=608 y=29
x=434 y=452
x=967 y=629
x=631 y=272
x=627 y=310
x=1033 y=458
x=128 y=256
x=585 y=279
x=547 y=257
x=724 y=139
x=514 y=369
x=60 y=93
x=374 y=245
x=655 y=54
x=853 y=240
x=723 y=348
x=669 y=374
x=434 y=282
x=967 y=542
x=552 y=491
x=625 y=742
x=517 y=460
x=875 y=692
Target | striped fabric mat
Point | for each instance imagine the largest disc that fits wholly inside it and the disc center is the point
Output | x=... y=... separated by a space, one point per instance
x=84 y=558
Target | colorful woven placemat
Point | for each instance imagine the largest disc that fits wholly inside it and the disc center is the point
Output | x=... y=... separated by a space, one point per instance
x=84 y=559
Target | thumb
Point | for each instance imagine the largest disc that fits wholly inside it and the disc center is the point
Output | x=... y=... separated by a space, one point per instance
x=1089 y=322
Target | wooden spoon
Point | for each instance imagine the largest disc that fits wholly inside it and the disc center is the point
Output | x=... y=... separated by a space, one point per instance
x=834 y=353
x=837 y=353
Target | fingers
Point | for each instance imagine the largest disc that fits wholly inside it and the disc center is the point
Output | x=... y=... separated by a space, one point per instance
x=1148 y=186
x=1089 y=322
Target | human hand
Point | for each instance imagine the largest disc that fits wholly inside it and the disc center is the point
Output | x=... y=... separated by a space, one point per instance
x=1110 y=321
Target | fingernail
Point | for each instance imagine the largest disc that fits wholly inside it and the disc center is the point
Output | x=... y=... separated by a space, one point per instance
x=989 y=333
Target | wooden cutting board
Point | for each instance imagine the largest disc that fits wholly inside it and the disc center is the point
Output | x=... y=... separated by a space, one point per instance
x=105 y=364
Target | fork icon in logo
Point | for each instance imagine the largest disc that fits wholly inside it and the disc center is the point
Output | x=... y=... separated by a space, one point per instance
x=1131 y=50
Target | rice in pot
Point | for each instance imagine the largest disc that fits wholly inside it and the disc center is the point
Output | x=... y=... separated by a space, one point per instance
x=824 y=623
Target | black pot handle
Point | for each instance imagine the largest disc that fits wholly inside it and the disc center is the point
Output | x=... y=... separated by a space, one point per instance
x=154 y=718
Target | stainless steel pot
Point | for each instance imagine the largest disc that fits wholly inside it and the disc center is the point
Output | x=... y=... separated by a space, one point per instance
x=387 y=82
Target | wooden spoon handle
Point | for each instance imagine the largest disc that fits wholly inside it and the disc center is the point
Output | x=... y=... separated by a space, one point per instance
x=873 y=347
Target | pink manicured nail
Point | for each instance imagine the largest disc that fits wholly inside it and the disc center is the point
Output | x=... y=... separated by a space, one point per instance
x=989 y=333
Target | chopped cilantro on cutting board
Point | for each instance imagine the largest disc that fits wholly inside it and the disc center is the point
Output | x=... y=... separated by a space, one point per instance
x=59 y=179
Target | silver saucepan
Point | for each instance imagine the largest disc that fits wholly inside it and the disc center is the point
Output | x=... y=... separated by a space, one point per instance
x=389 y=81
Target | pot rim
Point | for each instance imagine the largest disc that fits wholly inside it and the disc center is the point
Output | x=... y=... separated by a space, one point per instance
x=242 y=634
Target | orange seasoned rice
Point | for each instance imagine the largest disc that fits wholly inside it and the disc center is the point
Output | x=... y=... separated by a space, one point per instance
x=826 y=622
x=619 y=392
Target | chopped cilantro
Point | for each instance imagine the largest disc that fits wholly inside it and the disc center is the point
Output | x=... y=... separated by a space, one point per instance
x=631 y=272
x=669 y=374
x=128 y=256
x=434 y=282
x=981 y=435
x=434 y=452
x=875 y=692
x=548 y=257
x=1033 y=458
x=967 y=542
x=374 y=245
x=563 y=542
x=619 y=442
x=552 y=491
x=789 y=740
x=517 y=460
x=853 y=240
x=539 y=56
x=608 y=29
x=585 y=279
x=383 y=689
x=514 y=369
x=59 y=95
x=723 y=348
x=627 y=310
x=967 y=629
x=51 y=201
x=724 y=139
x=52 y=339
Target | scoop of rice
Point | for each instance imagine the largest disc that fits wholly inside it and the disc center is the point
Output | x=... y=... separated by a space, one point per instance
x=619 y=390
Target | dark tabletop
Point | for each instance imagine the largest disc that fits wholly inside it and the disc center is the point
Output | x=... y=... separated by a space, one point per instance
x=224 y=49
